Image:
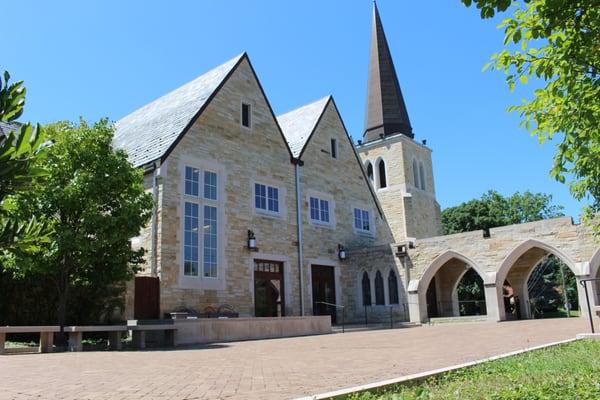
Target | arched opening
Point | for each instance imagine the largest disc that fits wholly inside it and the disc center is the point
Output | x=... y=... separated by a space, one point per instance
x=366 y=289
x=415 y=173
x=452 y=286
x=470 y=294
x=538 y=282
x=381 y=171
x=422 y=175
x=379 y=291
x=370 y=171
x=393 y=288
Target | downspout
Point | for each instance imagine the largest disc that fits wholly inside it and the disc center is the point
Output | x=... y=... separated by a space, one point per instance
x=154 y=225
x=297 y=165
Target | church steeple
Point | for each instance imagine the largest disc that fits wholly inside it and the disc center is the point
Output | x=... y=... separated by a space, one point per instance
x=386 y=111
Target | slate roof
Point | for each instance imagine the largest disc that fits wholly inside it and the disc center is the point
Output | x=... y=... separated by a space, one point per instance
x=298 y=125
x=386 y=110
x=148 y=133
x=6 y=127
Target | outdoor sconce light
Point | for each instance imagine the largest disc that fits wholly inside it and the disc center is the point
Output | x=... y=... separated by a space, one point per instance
x=402 y=251
x=252 y=241
x=341 y=252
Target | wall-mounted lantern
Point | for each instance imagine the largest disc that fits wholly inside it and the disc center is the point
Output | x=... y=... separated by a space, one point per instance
x=402 y=250
x=252 y=241
x=341 y=252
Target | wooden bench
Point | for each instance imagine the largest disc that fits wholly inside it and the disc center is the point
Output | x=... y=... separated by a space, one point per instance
x=114 y=335
x=46 y=335
x=139 y=334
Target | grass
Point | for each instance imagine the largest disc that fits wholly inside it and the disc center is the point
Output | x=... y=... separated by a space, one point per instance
x=568 y=371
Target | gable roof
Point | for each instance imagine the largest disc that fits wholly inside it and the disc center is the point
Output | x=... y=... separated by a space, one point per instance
x=148 y=133
x=299 y=124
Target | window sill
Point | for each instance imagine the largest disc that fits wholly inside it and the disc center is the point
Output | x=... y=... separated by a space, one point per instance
x=268 y=214
x=322 y=224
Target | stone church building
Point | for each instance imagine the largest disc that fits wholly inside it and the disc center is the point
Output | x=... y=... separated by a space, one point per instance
x=283 y=215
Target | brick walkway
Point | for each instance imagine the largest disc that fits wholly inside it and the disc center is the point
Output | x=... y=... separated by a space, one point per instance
x=269 y=369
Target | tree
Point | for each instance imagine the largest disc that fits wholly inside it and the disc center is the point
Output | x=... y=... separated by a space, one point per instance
x=494 y=210
x=558 y=44
x=97 y=203
x=19 y=148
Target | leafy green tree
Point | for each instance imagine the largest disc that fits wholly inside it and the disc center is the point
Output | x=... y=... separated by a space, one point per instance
x=97 y=203
x=20 y=146
x=558 y=44
x=493 y=210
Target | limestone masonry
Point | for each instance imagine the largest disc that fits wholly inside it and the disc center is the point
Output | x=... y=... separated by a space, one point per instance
x=258 y=215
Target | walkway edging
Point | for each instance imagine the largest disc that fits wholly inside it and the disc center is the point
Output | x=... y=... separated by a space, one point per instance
x=427 y=374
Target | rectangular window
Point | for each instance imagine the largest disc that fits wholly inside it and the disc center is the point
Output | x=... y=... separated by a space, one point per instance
x=200 y=246
x=191 y=181
x=210 y=185
x=246 y=115
x=210 y=241
x=190 y=232
x=266 y=198
x=361 y=220
x=319 y=210
x=333 y=148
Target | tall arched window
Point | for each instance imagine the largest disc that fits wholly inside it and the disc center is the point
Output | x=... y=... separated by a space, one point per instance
x=422 y=174
x=382 y=177
x=370 y=171
x=416 y=174
x=393 y=287
x=379 y=294
x=366 y=289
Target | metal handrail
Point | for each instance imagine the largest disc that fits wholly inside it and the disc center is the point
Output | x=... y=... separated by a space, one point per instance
x=583 y=283
x=337 y=306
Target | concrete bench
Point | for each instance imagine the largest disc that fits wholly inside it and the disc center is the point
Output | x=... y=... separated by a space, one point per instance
x=46 y=335
x=139 y=334
x=114 y=335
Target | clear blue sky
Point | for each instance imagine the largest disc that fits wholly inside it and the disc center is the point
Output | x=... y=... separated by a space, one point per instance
x=107 y=58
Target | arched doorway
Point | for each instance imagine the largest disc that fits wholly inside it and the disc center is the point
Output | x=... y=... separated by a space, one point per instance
x=529 y=281
x=438 y=288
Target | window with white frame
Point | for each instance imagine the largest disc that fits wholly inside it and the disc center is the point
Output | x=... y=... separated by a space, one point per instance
x=266 y=198
x=362 y=221
x=200 y=206
x=319 y=210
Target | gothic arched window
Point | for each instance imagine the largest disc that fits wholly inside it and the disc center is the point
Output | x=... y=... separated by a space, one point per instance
x=422 y=174
x=393 y=287
x=379 y=294
x=382 y=177
x=416 y=174
x=370 y=171
x=366 y=289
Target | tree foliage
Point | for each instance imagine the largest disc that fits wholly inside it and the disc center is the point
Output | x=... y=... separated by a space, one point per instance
x=97 y=203
x=493 y=210
x=19 y=148
x=557 y=43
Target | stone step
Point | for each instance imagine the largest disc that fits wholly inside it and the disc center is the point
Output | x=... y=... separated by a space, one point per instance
x=453 y=320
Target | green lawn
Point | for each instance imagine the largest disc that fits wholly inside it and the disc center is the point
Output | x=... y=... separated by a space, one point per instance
x=569 y=371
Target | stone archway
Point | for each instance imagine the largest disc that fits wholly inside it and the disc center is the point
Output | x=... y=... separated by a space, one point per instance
x=442 y=277
x=517 y=267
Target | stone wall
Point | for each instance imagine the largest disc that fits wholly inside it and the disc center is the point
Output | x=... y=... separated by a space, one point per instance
x=241 y=157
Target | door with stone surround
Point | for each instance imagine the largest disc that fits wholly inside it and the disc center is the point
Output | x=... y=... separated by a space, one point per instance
x=268 y=289
x=323 y=291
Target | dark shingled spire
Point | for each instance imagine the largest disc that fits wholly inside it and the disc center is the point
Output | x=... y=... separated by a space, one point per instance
x=386 y=111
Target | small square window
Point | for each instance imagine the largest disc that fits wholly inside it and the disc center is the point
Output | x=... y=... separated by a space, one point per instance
x=319 y=210
x=266 y=198
x=246 y=115
x=362 y=221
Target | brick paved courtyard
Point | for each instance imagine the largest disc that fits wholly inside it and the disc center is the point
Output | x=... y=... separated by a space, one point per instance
x=269 y=369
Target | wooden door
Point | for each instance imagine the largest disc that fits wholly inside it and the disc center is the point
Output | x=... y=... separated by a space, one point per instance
x=269 y=299
x=146 y=298
x=323 y=291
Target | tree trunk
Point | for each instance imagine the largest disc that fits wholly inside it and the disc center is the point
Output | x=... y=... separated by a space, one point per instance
x=63 y=297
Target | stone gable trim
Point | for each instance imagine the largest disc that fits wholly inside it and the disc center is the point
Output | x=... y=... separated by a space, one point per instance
x=212 y=96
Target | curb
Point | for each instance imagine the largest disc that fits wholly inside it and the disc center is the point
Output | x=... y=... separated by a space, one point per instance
x=341 y=393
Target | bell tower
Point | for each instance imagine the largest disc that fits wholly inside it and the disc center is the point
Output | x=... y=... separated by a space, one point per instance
x=399 y=168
